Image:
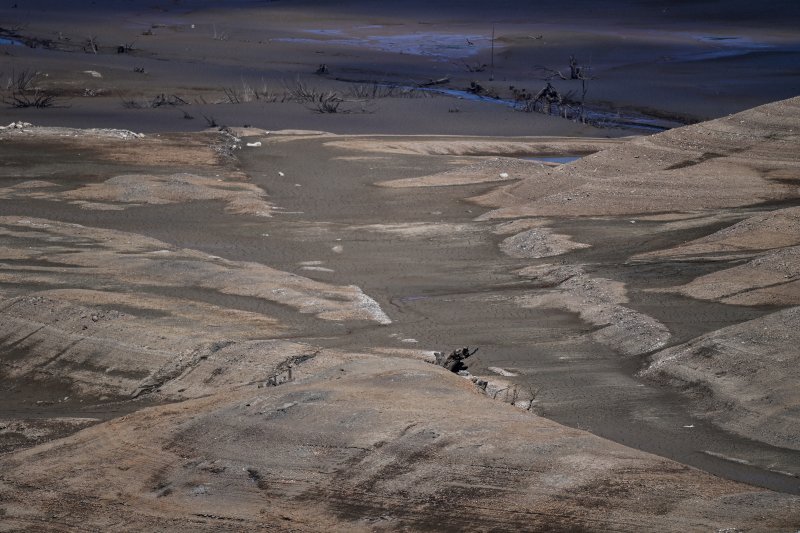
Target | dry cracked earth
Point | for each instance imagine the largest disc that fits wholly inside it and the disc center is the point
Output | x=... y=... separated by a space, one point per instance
x=197 y=334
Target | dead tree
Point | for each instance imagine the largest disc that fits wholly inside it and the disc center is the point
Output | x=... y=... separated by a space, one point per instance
x=550 y=101
x=91 y=45
x=475 y=67
x=574 y=69
x=455 y=361
x=548 y=96
x=582 y=73
x=126 y=48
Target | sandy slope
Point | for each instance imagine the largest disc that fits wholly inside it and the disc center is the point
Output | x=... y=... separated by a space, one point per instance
x=770 y=230
x=703 y=170
x=734 y=161
x=364 y=445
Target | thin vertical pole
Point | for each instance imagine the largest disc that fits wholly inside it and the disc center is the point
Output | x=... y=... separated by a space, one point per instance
x=492 y=68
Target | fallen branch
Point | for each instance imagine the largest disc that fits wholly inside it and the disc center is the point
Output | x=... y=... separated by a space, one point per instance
x=431 y=83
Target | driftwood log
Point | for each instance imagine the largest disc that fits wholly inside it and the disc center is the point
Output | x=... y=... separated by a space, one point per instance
x=431 y=83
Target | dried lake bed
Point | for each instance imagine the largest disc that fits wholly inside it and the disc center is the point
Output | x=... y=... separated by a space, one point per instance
x=233 y=326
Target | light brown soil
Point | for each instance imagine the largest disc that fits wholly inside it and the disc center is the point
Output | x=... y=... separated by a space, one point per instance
x=135 y=189
x=719 y=369
x=358 y=448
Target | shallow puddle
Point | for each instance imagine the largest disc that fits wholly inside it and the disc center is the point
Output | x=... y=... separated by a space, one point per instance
x=5 y=41
x=443 y=46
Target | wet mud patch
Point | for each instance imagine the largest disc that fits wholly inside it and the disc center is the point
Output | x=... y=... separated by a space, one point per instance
x=616 y=238
x=687 y=317
x=42 y=408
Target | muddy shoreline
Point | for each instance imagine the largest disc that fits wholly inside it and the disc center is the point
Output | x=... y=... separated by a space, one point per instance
x=432 y=308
